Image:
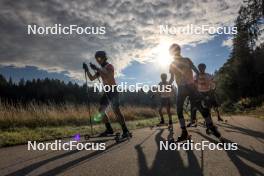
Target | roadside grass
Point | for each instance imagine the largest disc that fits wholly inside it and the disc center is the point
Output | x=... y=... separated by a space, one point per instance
x=34 y=115
x=39 y=122
x=257 y=112
x=34 y=122
x=22 y=135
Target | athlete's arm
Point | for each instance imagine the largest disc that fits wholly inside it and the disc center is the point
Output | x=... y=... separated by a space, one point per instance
x=171 y=78
x=87 y=72
x=171 y=75
x=193 y=67
x=90 y=76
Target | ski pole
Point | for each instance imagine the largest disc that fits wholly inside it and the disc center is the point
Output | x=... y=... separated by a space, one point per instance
x=88 y=100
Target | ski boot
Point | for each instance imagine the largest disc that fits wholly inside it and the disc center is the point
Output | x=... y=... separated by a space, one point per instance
x=220 y=119
x=184 y=136
x=126 y=134
x=161 y=123
x=170 y=126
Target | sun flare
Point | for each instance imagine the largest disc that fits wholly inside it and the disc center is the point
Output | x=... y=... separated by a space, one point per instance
x=162 y=56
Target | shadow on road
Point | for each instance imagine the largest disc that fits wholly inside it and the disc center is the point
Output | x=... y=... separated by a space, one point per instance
x=241 y=154
x=246 y=130
x=167 y=162
x=26 y=170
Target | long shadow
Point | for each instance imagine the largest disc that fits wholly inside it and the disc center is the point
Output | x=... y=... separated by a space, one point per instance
x=245 y=153
x=167 y=162
x=73 y=163
x=250 y=132
x=26 y=170
x=27 y=160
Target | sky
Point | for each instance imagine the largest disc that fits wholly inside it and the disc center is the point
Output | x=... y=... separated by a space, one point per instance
x=133 y=42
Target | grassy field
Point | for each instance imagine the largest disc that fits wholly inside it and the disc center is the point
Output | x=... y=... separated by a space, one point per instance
x=34 y=115
x=19 y=124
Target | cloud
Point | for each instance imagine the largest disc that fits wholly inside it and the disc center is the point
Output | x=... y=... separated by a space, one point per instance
x=132 y=29
x=228 y=43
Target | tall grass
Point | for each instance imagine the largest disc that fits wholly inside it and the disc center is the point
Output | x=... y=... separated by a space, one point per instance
x=35 y=115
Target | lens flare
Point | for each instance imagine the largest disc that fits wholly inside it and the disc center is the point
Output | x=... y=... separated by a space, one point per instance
x=97 y=117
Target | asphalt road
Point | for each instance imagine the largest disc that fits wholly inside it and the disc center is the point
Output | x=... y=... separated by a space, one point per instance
x=141 y=155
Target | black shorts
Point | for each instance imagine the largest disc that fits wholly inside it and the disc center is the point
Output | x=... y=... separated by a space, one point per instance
x=210 y=98
x=165 y=102
x=110 y=98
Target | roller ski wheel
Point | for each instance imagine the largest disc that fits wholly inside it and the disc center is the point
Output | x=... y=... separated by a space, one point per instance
x=110 y=136
x=87 y=137
x=117 y=137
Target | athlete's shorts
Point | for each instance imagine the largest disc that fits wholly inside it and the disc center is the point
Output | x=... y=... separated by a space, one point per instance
x=165 y=102
x=110 y=98
x=210 y=98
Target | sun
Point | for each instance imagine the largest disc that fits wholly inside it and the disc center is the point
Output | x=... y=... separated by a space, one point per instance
x=162 y=55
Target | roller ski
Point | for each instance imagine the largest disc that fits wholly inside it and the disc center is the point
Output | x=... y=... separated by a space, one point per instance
x=105 y=134
x=125 y=136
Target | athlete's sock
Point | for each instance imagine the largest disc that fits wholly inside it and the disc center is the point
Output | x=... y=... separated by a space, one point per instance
x=208 y=120
x=182 y=123
x=108 y=126
x=124 y=128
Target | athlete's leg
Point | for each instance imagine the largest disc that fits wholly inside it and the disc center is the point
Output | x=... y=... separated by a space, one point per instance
x=115 y=105
x=103 y=106
x=193 y=116
x=168 y=108
x=214 y=104
x=181 y=96
x=218 y=113
x=160 y=111
x=205 y=111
